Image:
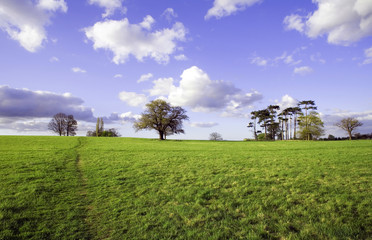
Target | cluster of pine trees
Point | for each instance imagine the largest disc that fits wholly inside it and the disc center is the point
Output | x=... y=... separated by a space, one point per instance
x=300 y=122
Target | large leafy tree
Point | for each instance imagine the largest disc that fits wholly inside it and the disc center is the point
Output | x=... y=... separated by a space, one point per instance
x=307 y=105
x=311 y=126
x=162 y=117
x=349 y=125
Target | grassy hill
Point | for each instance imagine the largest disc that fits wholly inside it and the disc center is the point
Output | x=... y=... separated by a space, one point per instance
x=121 y=188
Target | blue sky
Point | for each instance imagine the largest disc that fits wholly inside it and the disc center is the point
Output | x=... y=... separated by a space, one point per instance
x=219 y=59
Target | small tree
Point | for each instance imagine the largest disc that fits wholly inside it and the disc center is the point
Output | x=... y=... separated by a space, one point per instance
x=215 y=136
x=349 y=125
x=162 y=117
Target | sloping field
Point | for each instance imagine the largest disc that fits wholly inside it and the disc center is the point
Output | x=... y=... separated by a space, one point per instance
x=120 y=188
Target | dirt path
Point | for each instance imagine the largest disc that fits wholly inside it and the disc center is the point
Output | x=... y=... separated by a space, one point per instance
x=83 y=191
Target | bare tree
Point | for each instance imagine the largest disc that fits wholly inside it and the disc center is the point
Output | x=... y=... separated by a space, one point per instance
x=58 y=124
x=215 y=136
x=349 y=125
x=71 y=125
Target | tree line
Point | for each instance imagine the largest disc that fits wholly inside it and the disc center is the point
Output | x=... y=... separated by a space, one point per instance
x=272 y=123
x=300 y=122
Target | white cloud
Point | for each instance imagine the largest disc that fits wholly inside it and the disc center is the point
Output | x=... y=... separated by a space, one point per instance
x=52 y=5
x=147 y=22
x=287 y=59
x=169 y=13
x=162 y=87
x=110 y=6
x=133 y=99
x=303 y=70
x=25 y=21
x=181 y=57
x=203 y=124
x=198 y=91
x=259 y=61
x=222 y=8
x=144 y=77
x=78 y=70
x=124 y=39
x=118 y=76
x=284 y=58
x=343 y=21
x=286 y=102
x=368 y=54
x=54 y=59
x=294 y=22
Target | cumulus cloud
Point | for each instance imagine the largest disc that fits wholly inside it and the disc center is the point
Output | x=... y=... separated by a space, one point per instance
x=294 y=22
x=303 y=70
x=24 y=103
x=110 y=6
x=162 y=87
x=198 y=91
x=78 y=70
x=147 y=22
x=145 y=77
x=203 y=124
x=344 y=22
x=169 y=14
x=368 y=55
x=133 y=99
x=25 y=21
x=222 y=8
x=124 y=39
x=286 y=102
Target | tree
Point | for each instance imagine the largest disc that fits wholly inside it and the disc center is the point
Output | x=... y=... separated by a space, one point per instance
x=349 y=125
x=215 y=136
x=295 y=112
x=58 y=124
x=162 y=117
x=63 y=124
x=71 y=126
x=307 y=105
x=273 y=126
x=254 y=116
x=263 y=117
x=311 y=126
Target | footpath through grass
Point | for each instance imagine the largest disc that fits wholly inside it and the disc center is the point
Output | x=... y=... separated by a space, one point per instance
x=118 y=188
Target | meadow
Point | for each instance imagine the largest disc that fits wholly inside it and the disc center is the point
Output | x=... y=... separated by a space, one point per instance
x=124 y=188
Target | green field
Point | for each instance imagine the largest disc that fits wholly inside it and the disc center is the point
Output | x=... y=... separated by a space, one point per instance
x=121 y=188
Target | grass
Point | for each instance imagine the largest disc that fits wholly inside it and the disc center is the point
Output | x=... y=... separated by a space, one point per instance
x=120 y=188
